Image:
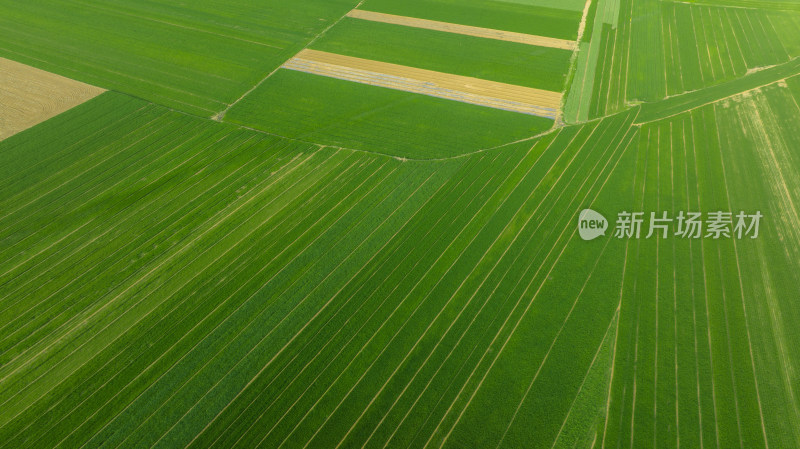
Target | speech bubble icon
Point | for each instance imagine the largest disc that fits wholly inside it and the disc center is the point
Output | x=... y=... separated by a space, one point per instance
x=591 y=224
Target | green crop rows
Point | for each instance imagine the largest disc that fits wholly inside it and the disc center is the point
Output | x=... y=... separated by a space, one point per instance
x=331 y=264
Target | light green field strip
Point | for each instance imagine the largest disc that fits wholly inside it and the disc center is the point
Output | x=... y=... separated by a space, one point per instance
x=540 y=41
x=579 y=99
x=409 y=79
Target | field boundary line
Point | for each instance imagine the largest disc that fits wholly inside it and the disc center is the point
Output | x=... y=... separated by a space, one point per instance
x=614 y=320
x=204 y=192
x=183 y=249
x=452 y=296
x=221 y=115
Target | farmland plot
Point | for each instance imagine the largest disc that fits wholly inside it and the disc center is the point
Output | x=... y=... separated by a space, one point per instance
x=660 y=49
x=29 y=96
x=509 y=71
x=703 y=357
x=196 y=57
x=267 y=310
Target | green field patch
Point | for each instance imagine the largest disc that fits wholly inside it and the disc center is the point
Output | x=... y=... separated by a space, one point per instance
x=570 y=5
x=195 y=58
x=505 y=62
x=498 y=15
x=352 y=115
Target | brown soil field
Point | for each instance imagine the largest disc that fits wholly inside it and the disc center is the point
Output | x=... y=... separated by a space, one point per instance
x=29 y=96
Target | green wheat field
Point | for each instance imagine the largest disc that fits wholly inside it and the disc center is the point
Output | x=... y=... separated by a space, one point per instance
x=220 y=251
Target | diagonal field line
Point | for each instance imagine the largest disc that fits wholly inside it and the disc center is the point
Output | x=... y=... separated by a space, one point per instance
x=115 y=320
x=506 y=341
x=331 y=339
x=233 y=294
x=237 y=259
x=499 y=259
x=553 y=344
x=307 y=246
x=634 y=294
x=199 y=195
x=288 y=343
x=166 y=260
x=351 y=317
x=688 y=204
x=516 y=236
x=619 y=306
x=48 y=270
x=98 y=194
x=407 y=319
x=569 y=314
x=220 y=115
x=705 y=298
x=741 y=285
x=79 y=175
x=385 y=321
x=131 y=213
x=453 y=321
x=515 y=286
x=614 y=320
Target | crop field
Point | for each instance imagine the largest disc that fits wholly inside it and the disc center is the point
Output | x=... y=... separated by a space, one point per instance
x=361 y=225
x=510 y=54
x=658 y=49
x=197 y=59
x=30 y=96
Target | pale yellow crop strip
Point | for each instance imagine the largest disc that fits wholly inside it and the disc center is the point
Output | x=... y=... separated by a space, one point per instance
x=463 y=83
x=427 y=82
x=488 y=33
x=421 y=84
